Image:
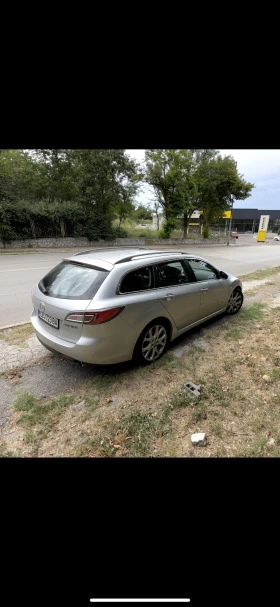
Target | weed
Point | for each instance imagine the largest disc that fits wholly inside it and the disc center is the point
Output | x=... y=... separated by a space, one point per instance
x=181 y=399
x=199 y=413
x=25 y=401
x=216 y=429
x=276 y=373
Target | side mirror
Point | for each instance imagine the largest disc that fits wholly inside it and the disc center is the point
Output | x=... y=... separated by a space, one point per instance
x=223 y=274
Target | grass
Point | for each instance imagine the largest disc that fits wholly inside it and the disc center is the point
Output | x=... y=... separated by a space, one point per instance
x=276 y=374
x=254 y=312
x=17 y=336
x=259 y=448
x=234 y=333
x=4 y=453
x=181 y=399
x=105 y=382
x=216 y=428
x=39 y=418
x=7 y=251
x=168 y=362
x=259 y=274
x=132 y=435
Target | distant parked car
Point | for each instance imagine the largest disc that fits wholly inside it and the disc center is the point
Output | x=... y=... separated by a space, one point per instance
x=276 y=237
x=234 y=234
x=107 y=306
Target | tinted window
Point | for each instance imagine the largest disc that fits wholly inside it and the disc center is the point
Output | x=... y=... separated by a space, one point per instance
x=72 y=281
x=202 y=270
x=172 y=273
x=139 y=280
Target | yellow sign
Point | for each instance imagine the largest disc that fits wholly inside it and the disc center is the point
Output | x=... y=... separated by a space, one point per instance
x=263 y=225
x=227 y=215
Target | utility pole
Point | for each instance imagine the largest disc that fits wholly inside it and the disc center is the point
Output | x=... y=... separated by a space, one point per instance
x=230 y=220
x=231 y=207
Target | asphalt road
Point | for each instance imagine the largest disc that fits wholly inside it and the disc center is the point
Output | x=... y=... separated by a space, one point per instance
x=19 y=273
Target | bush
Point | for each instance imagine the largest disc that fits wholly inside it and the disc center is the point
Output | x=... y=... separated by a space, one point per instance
x=206 y=231
x=119 y=233
x=7 y=233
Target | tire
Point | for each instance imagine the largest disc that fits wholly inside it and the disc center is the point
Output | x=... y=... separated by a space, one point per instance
x=235 y=302
x=152 y=342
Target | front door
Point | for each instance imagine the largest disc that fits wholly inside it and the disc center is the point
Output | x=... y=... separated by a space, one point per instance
x=179 y=296
x=213 y=290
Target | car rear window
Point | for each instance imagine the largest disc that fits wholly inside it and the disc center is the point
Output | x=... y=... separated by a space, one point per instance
x=71 y=280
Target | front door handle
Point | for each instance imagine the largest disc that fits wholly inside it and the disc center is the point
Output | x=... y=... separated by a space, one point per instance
x=204 y=289
x=168 y=296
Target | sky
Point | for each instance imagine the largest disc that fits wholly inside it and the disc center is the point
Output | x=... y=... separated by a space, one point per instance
x=261 y=167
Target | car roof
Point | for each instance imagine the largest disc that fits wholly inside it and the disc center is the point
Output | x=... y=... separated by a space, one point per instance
x=108 y=257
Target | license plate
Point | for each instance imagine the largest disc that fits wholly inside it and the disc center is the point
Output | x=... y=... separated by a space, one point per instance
x=54 y=322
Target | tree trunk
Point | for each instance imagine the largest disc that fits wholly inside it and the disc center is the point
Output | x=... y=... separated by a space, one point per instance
x=186 y=224
x=32 y=225
x=157 y=220
x=62 y=228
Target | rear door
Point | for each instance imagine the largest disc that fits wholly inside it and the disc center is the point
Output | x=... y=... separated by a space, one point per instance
x=178 y=292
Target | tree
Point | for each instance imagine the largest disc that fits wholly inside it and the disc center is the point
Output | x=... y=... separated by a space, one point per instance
x=106 y=180
x=124 y=206
x=17 y=175
x=217 y=183
x=194 y=179
x=57 y=173
x=169 y=172
x=142 y=213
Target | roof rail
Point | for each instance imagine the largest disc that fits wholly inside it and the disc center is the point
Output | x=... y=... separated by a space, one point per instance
x=110 y=249
x=150 y=254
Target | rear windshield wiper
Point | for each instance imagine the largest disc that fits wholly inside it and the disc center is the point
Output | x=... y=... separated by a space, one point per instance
x=42 y=287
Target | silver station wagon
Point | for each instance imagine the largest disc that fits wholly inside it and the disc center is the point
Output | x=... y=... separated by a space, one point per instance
x=111 y=305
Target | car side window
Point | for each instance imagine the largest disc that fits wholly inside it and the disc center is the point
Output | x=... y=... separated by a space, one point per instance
x=202 y=270
x=170 y=274
x=138 y=280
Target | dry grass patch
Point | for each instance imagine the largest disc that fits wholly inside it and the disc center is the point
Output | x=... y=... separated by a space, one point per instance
x=17 y=336
x=259 y=274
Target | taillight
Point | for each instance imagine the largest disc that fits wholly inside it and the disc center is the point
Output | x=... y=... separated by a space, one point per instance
x=94 y=318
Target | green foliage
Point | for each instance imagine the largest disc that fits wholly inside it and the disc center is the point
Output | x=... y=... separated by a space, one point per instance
x=66 y=192
x=218 y=183
x=142 y=213
x=53 y=193
x=188 y=180
x=206 y=231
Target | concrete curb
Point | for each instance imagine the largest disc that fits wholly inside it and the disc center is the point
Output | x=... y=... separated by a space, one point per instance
x=16 y=324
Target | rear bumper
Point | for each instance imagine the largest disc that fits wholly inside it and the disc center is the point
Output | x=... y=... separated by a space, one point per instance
x=92 y=350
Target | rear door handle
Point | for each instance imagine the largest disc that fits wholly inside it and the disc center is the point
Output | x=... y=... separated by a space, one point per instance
x=204 y=289
x=168 y=296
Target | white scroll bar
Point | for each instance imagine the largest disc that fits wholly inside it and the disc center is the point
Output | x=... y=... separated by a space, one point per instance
x=140 y=600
